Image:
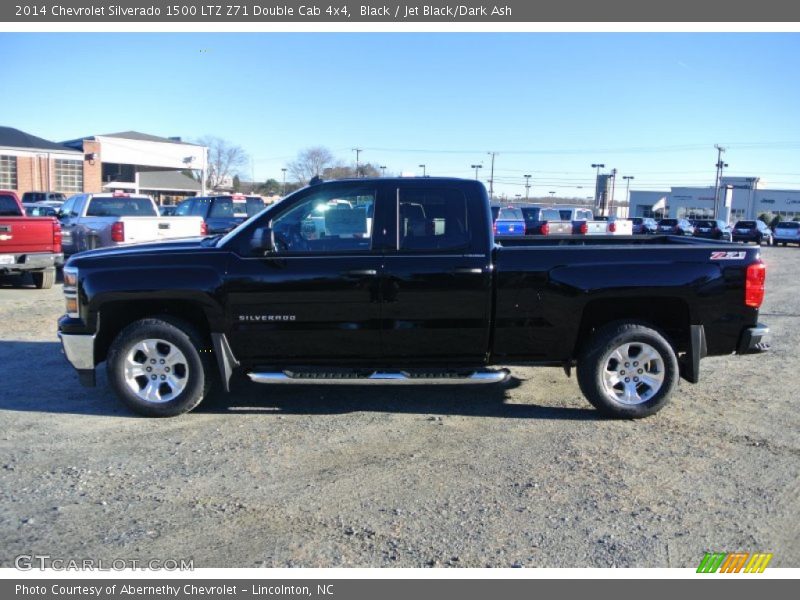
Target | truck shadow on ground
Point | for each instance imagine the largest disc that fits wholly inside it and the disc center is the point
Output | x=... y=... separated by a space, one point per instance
x=54 y=388
x=24 y=282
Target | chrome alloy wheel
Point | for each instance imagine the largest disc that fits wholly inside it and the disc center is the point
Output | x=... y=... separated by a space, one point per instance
x=156 y=371
x=633 y=373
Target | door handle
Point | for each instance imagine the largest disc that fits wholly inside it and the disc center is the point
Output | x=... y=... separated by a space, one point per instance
x=467 y=271
x=361 y=273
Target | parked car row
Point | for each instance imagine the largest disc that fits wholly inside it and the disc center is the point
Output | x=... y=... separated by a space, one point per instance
x=554 y=220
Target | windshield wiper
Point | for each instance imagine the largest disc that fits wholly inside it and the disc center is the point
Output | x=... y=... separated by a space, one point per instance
x=211 y=240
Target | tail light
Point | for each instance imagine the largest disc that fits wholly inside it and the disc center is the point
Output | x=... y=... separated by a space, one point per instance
x=584 y=228
x=118 y=232
x=544 y=229
x=57 y=238
x=612 y=227
x=204 y=228
x=754 y=284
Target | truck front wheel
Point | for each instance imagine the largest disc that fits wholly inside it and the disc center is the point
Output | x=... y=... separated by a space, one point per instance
x=627 y=370
x=160 y=367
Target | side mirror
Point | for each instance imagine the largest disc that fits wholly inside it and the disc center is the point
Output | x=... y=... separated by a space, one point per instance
x=262 y=241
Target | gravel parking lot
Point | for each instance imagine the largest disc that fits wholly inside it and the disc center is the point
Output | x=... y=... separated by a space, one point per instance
x=525 y=474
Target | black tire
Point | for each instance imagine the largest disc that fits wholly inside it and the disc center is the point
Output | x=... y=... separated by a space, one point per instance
x=44 y=280
x=593 y=360
x=199 y=371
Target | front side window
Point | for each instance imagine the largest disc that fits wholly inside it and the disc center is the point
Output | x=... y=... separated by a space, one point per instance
x=433 y=220
x=69 y=175
x=329 y=220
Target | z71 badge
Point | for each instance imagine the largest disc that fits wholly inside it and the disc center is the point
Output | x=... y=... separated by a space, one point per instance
x=727 y=255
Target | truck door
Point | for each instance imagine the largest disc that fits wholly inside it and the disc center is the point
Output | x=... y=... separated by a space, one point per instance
x=437 y=281
x=315 y=299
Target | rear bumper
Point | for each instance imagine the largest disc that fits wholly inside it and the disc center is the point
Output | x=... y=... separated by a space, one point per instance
x=754 y=340
x=33 y=261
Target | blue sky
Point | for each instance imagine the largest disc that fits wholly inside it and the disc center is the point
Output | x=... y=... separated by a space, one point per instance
x=651 y=105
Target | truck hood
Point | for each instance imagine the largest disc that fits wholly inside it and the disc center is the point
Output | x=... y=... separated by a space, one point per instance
x=167 y=246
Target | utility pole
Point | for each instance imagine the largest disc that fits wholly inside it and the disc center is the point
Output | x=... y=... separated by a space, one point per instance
x=491 y=176
x=476 y=167
x=720 y=165
x=613 y=183
x=283 y=192
x=358 y=152
x=527 y=185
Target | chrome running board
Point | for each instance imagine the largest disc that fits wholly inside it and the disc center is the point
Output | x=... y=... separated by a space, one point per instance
x=382 y=377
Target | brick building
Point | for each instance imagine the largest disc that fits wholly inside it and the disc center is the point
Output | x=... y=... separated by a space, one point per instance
x=31 y=164
x=128 y=161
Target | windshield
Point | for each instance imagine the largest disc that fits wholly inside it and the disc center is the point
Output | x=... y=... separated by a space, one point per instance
x=121 y=207
x=668 y=222
x=789 y=225
x=511 y=214
x=531 y=214
x=746 y=224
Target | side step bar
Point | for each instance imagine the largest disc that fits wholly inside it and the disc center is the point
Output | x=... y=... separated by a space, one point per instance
x=382 y=377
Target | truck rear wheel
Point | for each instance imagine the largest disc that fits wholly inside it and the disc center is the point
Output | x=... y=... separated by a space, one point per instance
x=160 y=367
x=627 y=370
x=44 y=280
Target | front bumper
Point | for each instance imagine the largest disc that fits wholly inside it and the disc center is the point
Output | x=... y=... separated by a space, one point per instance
x=754 y=340
x=79 y=350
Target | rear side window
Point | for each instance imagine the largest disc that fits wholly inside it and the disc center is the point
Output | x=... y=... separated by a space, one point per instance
x=8 y=206
x=121 y=207
x=433 y=220
x=254 y=205
x=200 y=207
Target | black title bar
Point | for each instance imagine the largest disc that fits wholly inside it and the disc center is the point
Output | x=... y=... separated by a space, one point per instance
x=398 y=11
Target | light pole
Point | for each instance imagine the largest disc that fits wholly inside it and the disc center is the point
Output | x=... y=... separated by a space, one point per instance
x=720 y=165
x=424 y=172
x=383 y=170
x=597 y=166
x=627 y=179
x=613 y=185
x=358 y=152
x=476 y=167
x=283 y=192
x=552 y=193
x=527 y=186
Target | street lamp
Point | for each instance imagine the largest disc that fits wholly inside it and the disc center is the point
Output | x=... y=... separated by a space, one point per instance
x=283 y=192
x=720 y=166
x=358 y=152
x=552 y=193
x=476 y=167
x=424 y=172
x=383 y=170
x=627 y=179
x=527 y=185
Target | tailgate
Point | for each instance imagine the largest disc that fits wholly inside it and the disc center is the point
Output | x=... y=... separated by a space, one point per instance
x=21 y=235
x=506 y=227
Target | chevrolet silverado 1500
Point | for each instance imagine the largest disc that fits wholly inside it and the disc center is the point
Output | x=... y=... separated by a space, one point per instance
x=401 y=281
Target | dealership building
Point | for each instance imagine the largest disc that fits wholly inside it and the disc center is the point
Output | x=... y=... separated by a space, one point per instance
x=740 y=198
x=128 y=161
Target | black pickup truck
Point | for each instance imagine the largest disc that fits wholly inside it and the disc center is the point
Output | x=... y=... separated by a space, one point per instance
x=401 y=281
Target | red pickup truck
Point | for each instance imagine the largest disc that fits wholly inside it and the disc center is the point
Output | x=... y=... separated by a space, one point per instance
x=28 y=244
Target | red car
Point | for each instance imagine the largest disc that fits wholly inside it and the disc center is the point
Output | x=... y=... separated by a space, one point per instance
x=28 y=244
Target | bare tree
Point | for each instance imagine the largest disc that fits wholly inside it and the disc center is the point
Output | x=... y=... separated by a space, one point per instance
x=310 y=162
x=224 y=161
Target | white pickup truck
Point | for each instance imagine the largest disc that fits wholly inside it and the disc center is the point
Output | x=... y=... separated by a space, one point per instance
x=584 y=222
x=91 y=221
